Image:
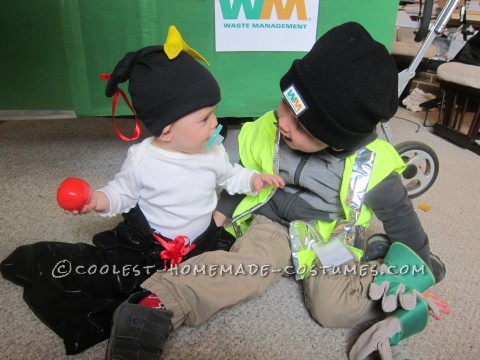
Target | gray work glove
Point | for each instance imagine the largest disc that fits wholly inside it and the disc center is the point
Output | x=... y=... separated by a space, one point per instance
x=376 y=338
x=396 y=294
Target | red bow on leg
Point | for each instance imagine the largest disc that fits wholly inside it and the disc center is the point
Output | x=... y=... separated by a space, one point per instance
x=174 y=250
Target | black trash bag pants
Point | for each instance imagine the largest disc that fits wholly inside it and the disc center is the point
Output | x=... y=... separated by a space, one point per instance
x=74 y=288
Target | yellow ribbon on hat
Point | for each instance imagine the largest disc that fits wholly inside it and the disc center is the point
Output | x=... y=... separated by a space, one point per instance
x=174 y=45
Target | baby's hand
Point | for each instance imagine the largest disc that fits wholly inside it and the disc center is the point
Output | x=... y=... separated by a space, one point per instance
x=219 y=218
x=95 y=202
x=85 y=209
x=259 y=181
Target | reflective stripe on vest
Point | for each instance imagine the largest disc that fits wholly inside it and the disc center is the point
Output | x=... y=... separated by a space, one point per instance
x=306 y=242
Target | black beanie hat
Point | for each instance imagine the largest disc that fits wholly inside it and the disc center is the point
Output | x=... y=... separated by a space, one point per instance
x=164 y=90
x=343 y=87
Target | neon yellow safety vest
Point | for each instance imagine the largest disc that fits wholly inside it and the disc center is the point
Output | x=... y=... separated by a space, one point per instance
x=257 y=147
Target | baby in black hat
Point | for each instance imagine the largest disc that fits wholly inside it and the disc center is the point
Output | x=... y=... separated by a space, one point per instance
x=165 y=190
x=172 y=176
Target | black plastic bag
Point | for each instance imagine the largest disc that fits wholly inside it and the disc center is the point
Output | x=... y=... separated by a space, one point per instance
x=470 y=53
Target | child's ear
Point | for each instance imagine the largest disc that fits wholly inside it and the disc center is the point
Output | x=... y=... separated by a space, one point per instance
x=166 y=134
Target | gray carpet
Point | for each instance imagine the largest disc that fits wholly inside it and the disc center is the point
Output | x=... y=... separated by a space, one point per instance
x=37 y=155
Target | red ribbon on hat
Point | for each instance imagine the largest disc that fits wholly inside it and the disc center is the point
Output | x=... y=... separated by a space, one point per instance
x=118 y=92
x=174 y=251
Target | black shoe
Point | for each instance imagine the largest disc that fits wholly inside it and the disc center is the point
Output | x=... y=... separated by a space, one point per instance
x=377 y=247
x=138 y=332
x=225 y=240
x=438 y=268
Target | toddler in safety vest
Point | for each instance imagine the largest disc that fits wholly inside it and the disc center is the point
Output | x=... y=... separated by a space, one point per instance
x=321 y=141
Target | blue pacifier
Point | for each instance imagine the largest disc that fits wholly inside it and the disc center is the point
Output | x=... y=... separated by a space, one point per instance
x=215 y=138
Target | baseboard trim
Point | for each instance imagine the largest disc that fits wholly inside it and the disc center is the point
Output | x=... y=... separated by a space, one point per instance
x=36 y=114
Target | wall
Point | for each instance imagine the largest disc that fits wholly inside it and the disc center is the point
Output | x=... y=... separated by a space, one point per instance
x=33 y=63
x=56 y=49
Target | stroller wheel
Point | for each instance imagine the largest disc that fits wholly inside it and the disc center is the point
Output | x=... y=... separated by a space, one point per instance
x=422 y=167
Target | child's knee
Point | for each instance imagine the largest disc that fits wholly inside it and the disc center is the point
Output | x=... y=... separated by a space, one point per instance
x=266 y=243
x=338 y=302
x=328 y=313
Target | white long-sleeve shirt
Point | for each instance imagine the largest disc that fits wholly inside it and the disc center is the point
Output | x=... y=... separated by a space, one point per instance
x=176 y=191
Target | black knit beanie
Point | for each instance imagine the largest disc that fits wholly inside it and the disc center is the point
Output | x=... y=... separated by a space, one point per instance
x=164 y=90
x=343 y=87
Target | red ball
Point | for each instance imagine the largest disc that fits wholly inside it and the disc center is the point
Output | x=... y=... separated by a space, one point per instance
x=73 y=194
